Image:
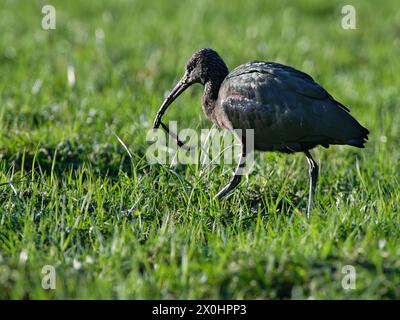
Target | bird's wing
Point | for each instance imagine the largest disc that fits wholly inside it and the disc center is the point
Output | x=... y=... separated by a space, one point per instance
x=297 y=80
x=285 y=105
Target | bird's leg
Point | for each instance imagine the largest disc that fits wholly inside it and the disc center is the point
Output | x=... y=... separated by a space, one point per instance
x=313 y=172
x=238 y=173
x=175 y=136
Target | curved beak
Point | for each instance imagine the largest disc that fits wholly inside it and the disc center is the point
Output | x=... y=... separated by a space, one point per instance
x=178 y=89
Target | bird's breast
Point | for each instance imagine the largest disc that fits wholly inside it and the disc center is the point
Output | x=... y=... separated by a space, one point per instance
x=220 y=118
x=214 y=111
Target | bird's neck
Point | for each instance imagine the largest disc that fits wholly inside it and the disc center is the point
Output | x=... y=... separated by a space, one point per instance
x=210 y=95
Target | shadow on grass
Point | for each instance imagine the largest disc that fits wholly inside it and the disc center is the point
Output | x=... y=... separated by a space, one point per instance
x=263 y=204
x=103 y=159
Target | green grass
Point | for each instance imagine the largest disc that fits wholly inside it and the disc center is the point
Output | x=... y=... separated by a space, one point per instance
x=119 y=228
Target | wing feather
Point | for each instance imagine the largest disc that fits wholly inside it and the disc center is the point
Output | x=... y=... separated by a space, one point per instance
x=285 y=106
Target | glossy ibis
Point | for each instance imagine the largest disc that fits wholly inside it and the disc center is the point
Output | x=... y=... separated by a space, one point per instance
x=287 y=109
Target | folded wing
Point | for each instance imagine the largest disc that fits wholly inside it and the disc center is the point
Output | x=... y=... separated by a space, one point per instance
x=287 y=109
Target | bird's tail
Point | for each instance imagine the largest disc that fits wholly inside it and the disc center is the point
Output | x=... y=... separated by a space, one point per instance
x=360 y=139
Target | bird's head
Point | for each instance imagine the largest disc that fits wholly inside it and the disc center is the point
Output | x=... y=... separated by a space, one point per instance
x=203 y=66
